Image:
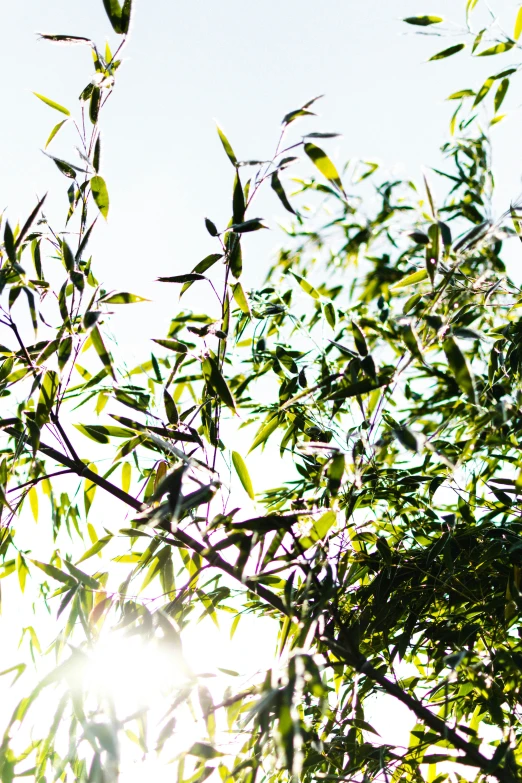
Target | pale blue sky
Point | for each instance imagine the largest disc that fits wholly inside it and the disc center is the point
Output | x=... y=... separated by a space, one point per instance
x=245 y=64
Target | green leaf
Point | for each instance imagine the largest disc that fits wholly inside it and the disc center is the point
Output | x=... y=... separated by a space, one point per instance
x=172 y=345
x=423 y=21
x=330 y=314
x=122 y=297
x=359 y=387
x=266 y=429
x=82 y=577
x=459 y=366
x=100 y=195
x=54 y=572
x=248 y=225
x=306 y=286
x=114 y=12
x=47 y=397
x=227 y=147
x=457 y=96
x=89 y=490
x=500 y=48
x=448 y=52
x=360 y=340
x=240 y=298
x=242 y=472
x=54 y=132
x=322 y=162
x=217 y=382
x=501 y=94
x=204 y=751
x=101 y=350
x=126 y=16
x=211 y=228
x=191 y=277
x=95 y=548
x=412 y=279
x=238 y=201
x=53 y=105
x=170 y=408
x=484 y=90
x=278 y=188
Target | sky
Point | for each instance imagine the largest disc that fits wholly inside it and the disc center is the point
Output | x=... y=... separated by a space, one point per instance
x=244 y=64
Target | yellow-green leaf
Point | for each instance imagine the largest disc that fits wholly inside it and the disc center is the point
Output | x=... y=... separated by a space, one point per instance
x=305 y=285
x=448 y=52
x=100 y=195
x=123 y=297
x=423 y=21
x=89 y=490
x=412 y=279
x=53 y=104
x=227 y=146
x=500 y=48
x=126 y=474
x=321 y=160
x=459 y=366
x=242 y=472
x=33 y=501
x=518 y=24
x=54 y=132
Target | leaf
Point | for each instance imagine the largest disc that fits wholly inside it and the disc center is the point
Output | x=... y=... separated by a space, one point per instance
x=53 y=105
x=188 y=278
x=101 y=350
x=89 y=490
x=501 y=94
x=459 y=366
x=448 y=52
x=172 y=345
x=484 y=90
x=306 y=286
x=360 y=340
x=457 y=96
x=330 y=314
x=423 y=21
x=123 y=297
x=238 y=201
x=67 y=169
x=46 y=399
x=518 y=25
x=170 y=408
x=81 y=576
x=249 y=225
x=322 y=162
x=33 y=502
x=114 y=12
x=278 y=188
x=126 y=16
x=54 y=132
x=242 y=472
x=240 y=298
x=359 y=387
x=500 y=48
x=412 y=279
x=126 y=475
x=217 y=382
x=54 y=572
x=227 y=147
x=95 y=548
x=100 y=195
x=211 y=228
x=264 y=432
x=204 y=751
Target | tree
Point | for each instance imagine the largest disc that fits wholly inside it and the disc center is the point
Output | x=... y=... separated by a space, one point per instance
x=391 y=558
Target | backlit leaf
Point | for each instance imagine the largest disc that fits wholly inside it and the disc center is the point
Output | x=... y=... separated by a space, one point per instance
x=242 y=472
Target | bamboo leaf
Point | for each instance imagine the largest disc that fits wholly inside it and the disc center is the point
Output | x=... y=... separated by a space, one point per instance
x=242 y=472
x=100 y=195
x=53 y=105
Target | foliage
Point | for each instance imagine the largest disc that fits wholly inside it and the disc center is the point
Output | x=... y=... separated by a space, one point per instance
x=390 y=555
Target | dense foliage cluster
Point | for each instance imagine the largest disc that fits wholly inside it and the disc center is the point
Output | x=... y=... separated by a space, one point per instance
x=383 y=359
